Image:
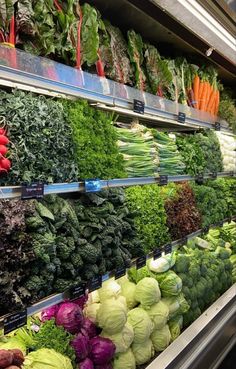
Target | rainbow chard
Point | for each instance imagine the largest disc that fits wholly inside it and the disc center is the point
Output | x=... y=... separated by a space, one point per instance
x=89 y=36
x=135 y=50
x=113 y=48
x=159 y=75
x=7 y=21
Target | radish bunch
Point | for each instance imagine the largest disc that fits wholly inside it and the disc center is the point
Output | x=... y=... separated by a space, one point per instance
x=11 y=359
x=5 y=164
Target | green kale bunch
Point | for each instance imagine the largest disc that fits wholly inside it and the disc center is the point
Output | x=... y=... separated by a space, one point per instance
x=41 y=147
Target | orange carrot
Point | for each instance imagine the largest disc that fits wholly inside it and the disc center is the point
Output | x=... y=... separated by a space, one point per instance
x=210 y=89
x=203 y=96
x=196 y=83
x=211 y=100
x=201 y=88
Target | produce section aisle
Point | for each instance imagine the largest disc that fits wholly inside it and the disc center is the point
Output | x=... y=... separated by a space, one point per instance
x=117 y=184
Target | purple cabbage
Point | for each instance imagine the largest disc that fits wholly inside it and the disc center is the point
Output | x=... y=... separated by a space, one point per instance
x=86 y=364
x=49 y=313
x=70 y=316
x=89 y=328
x=81 y=346
x=102 y=350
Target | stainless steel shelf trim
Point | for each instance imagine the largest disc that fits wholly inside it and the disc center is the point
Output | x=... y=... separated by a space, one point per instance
x=13 y=192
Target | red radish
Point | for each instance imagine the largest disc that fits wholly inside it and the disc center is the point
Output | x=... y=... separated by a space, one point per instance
x=2 y=131
x=5 y=164
x=3 y=150
x=6 y=358
x=18 y=358
x=3 y=140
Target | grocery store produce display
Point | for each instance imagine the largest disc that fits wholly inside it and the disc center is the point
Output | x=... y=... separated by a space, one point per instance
x=108 y=278
x=92 y=147
x=147 y=308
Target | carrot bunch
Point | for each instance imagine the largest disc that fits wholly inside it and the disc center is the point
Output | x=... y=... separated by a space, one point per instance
x=206 y=92
x=5 y=164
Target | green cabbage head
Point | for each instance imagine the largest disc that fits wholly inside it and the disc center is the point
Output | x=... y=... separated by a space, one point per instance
x=110 y=289
x=128 y=291
x=126 y=360
x=159 y=314
x=46 y=359
x=147 y=292
x=161 y=338
x=141 y=323
x=122 y=340
x=143 y=352
x=112 y=316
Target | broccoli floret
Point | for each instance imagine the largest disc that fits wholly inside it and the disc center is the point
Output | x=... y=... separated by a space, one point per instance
x=89 y=253
x=182 y=263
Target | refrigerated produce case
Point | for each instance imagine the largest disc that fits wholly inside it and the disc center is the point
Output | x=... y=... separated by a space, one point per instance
x=208 y=340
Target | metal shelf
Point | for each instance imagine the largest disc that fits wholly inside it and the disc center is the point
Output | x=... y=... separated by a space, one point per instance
x=14 y=192
x=60 y=297
x=203 y=344
x=41 y=75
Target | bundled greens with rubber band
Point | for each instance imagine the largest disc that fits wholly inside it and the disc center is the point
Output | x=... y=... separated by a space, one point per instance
x=139 y=151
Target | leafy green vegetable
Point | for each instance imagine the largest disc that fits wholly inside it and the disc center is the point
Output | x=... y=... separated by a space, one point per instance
x=41 y=141
x=147 y=206
x=135 y=50
x=54 y=337
x=201 y=152
x=95 y=140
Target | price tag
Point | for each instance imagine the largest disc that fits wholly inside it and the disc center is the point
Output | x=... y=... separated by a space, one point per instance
x=95 y=283
x=92 y=185
x=181 y=117
x=231 y=174
x=139 y=106
x=15 y=321
x=168 y=248
x=120 y=272
x=163 y=180
x=217 y=126
x=214 y=175
x=77 y=292
x=141 y=262
x=32 y=191
x=128 y=263
x=157 y=253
